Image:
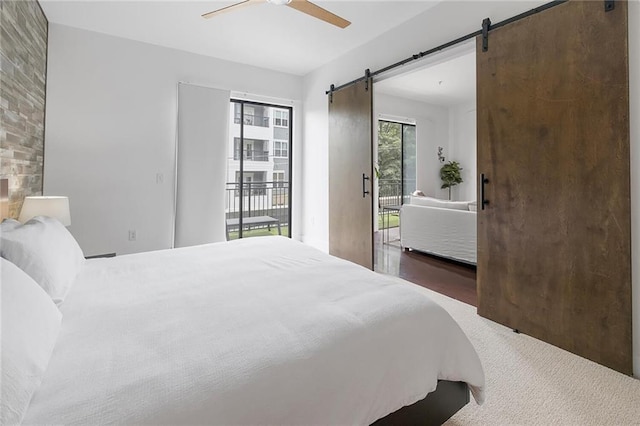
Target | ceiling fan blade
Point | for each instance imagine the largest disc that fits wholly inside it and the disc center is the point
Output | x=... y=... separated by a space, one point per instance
x=316 y=11
x=230 y=8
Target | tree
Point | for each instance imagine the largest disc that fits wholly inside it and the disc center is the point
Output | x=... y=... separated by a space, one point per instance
x=389 y=151
x=450 y=175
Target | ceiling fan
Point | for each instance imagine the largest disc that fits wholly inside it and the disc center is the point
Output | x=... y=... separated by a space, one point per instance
x=303 y=6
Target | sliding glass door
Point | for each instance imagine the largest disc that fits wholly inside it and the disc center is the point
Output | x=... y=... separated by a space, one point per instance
x=259 y=170
x=396 y=162
x=409 y=169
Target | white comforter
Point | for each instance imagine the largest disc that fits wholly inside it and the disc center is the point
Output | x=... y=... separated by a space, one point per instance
x=257 y=331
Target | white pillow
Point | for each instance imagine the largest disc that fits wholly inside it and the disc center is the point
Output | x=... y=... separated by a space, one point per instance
x=473 y=207
x=8 y=225
x=47 y=252
x=30 y=327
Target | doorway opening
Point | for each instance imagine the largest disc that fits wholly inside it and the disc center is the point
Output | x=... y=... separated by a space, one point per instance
x=258 y=196
x=431 y=108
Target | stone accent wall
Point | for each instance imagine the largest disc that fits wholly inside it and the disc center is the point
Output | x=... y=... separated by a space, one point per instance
x=23 y=72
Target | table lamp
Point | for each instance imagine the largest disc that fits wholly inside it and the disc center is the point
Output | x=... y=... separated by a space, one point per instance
x=52 y=206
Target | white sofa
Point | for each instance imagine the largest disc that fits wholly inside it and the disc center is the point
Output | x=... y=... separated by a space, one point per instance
x=442 y=228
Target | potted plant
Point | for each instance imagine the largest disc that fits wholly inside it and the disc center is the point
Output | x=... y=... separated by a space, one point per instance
x=450 y=175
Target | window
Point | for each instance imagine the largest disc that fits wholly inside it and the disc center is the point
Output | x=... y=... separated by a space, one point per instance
x=280 y=118
x=278 y=179
x=280 y=149
x=253 y=115
x=280 y=195
x=254 y=183
x=254 y=149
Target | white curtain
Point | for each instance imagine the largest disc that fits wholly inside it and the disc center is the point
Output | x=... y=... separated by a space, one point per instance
x=203 y=126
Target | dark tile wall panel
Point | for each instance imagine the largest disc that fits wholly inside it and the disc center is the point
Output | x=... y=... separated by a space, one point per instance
x=23 y=73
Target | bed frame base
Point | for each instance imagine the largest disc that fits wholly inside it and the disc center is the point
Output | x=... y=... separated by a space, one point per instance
x=435 y=409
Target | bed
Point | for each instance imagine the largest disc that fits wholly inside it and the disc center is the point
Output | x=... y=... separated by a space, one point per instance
x=255 y=331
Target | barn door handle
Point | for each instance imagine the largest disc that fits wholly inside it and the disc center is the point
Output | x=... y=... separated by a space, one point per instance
x=483 y=181
x=364 y=185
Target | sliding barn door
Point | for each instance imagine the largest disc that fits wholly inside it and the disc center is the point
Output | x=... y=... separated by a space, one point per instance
x=350 y=167
x=553 y=143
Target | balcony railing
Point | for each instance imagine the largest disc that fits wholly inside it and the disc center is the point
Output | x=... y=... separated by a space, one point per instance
x=252 y=120
x=259 y=199
x=389 y=193
x=252 y=155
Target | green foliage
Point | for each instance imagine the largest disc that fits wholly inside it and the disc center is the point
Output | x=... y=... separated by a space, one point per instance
x=450 y=175
x=393 y=221
x=389 y=151
x=259 y=232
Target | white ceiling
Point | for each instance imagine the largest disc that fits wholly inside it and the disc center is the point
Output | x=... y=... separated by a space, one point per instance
x=447 y=83
x=263 y=35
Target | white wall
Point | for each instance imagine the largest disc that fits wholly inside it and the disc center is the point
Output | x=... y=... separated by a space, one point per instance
x=437 y=25
x=111 y=126
x=462 y=148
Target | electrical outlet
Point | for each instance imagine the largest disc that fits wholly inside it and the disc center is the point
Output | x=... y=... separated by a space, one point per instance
x=132 y=235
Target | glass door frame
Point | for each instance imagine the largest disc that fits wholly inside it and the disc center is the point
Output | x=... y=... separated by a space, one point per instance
x=402 y=156
x=402 y=126
x=242 y=103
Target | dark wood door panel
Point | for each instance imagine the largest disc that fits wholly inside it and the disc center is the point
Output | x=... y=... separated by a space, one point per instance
x=553 y=140
x=350 y=148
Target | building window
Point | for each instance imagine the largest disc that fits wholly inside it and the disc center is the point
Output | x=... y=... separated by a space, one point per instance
x=280 y=118
x=278 y=179
x=280 y=195
x=254 y=183
x=254 y=149
x=280 y=149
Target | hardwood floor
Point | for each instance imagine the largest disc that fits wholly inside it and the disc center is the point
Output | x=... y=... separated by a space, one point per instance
x=452 y=279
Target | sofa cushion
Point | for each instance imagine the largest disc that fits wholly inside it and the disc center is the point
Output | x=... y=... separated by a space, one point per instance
x=443 y=204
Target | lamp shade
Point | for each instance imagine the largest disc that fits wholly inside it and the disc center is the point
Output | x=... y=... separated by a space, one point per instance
x=56 y=207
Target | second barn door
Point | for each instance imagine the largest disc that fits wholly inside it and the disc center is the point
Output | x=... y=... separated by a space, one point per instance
x=554 y=237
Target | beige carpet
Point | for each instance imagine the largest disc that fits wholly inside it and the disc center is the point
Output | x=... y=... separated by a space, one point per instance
x=531 y=382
